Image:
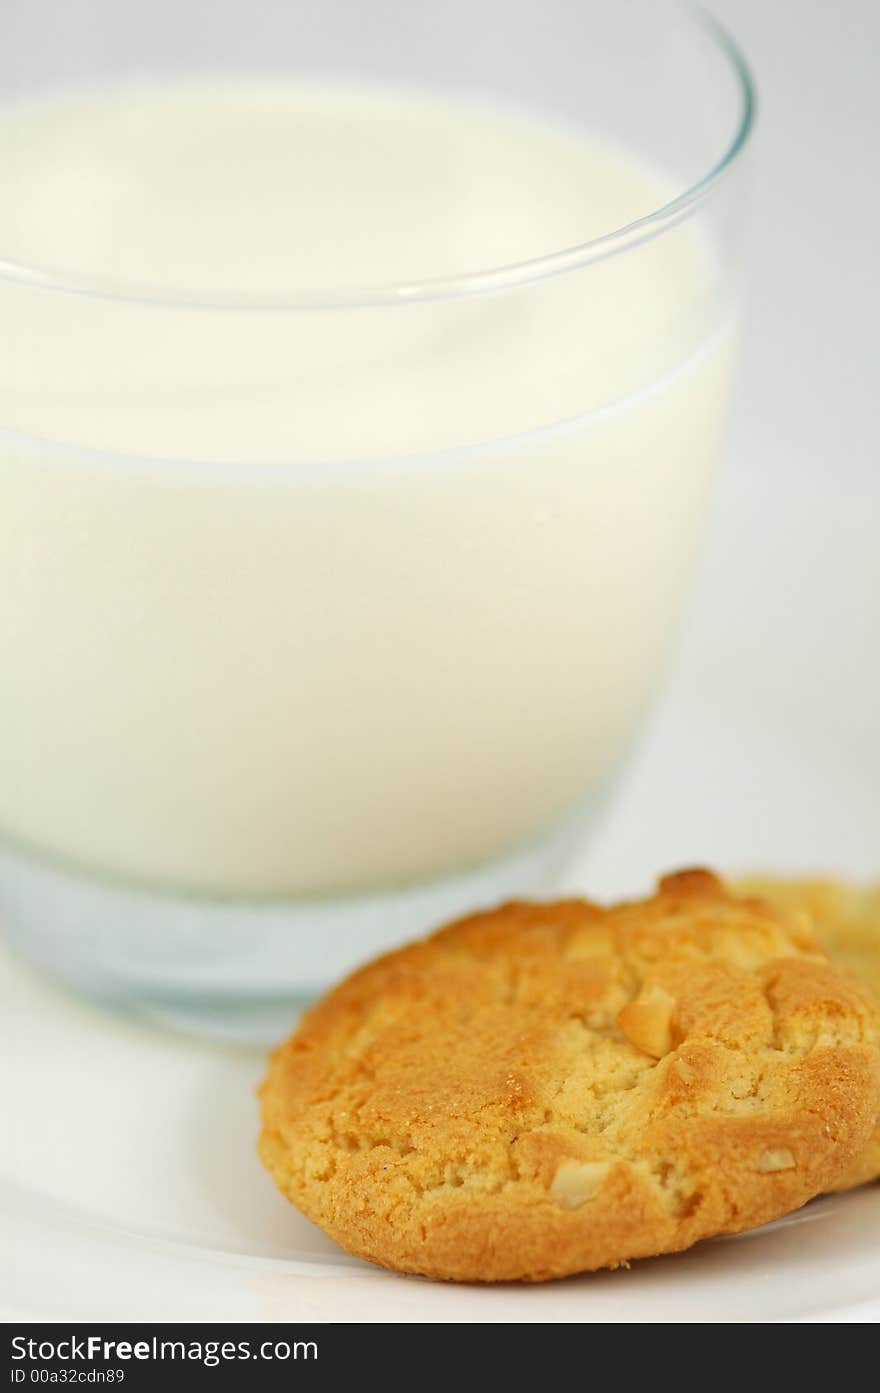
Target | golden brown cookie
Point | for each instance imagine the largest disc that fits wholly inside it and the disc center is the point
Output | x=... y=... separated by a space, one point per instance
x=846 y=920
x=548 y=1089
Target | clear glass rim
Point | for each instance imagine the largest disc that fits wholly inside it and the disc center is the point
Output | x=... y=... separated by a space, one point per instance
x=452 y=287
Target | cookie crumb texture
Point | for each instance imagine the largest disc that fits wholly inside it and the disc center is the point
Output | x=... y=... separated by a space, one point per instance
x=846 y=921
x=550 y=1089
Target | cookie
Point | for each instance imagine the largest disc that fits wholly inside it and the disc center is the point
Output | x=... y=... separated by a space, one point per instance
x=846 y=920
x=548 y=1089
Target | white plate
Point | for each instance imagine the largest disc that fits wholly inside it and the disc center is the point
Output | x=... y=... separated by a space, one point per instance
x=130 y=1188
x=133 y=1192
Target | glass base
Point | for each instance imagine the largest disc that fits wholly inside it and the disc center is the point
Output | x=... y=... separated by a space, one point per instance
x=235 y=969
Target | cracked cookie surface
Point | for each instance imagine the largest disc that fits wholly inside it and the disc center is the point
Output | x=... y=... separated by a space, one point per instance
x=547 y=1089
x=846 y=921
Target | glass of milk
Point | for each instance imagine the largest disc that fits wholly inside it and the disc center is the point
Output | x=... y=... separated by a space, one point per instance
x=365 y=367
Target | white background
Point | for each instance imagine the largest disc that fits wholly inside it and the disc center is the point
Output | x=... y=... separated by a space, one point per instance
x=765 y=749
x=812 y=365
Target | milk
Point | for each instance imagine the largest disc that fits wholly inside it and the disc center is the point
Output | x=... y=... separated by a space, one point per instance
x=333 y=555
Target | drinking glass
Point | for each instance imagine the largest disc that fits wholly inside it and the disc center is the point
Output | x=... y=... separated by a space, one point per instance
x=328 y=611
